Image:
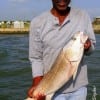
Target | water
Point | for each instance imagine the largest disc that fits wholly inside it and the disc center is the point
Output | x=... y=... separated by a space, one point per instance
x=15 y=69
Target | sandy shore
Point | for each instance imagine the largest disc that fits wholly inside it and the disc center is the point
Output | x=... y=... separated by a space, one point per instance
x=26 y=30
x=14 y=30
x=96 y=28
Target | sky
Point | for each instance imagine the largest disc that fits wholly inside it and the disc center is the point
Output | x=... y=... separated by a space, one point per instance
x=27 y=9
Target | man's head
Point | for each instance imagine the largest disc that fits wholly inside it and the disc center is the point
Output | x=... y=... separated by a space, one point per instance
x=60 y=5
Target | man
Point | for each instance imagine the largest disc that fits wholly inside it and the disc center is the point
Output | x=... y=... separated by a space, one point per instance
x=48 y=33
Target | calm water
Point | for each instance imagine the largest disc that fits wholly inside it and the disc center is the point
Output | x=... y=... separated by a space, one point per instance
x=15 y=70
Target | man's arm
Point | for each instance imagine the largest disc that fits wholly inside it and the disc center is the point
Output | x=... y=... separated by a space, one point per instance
x=90 y=43
x=35 y=50
x=35 y=57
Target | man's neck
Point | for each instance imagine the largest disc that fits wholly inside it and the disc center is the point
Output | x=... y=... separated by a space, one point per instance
x=61 y=15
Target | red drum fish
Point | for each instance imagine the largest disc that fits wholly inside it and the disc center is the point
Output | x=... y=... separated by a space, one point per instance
x=64 y=67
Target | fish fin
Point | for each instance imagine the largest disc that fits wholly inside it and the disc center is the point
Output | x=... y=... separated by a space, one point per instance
x=84 y=37
x=74 y=75
x=75 y=64
x=49 y=96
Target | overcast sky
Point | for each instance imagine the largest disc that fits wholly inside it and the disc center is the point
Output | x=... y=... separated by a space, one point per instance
x=27 y=9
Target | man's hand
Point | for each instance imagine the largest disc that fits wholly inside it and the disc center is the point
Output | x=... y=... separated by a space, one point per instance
x=36 y=81
x=30 y=91
x=87 y=44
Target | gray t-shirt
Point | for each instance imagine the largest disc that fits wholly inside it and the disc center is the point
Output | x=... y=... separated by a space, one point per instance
x=47 y=38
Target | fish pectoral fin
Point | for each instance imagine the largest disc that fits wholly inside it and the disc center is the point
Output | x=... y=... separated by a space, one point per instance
x=85 y=37
x=49 y=96
x=74 y=75
x=75 y=66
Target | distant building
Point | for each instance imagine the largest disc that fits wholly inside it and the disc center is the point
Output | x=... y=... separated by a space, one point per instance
x=18 y=24
x=21 y=24
x=14 y=24
x=8 y=24
x=0 y=24
x=97 y=18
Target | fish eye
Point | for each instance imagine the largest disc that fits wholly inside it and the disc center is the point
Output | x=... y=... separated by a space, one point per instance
x=73 y=38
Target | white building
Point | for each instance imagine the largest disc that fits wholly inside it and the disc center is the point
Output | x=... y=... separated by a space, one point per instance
x=0 y=24
x=18 y=24
x=21 y=24
x=97 y=18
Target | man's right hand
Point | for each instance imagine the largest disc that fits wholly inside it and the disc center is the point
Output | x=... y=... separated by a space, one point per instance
x=30 y=91
x=36 y=81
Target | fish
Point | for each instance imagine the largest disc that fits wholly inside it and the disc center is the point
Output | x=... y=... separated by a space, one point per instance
x=65 y=66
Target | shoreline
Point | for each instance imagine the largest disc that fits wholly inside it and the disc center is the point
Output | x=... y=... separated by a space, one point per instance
x=97 y=31
x=14 y=30
x=96 y=28
x=26 y=30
